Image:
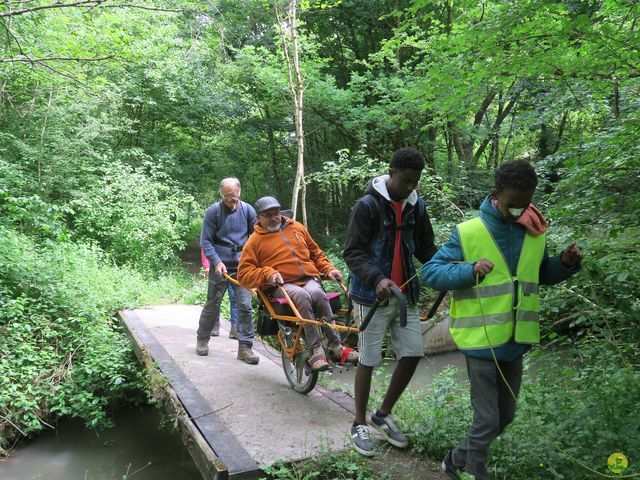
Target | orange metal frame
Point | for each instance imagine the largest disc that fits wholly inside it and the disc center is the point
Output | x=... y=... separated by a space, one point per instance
x=297 y=318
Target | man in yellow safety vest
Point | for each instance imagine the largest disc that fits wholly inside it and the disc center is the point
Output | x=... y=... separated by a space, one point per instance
x=494 y=264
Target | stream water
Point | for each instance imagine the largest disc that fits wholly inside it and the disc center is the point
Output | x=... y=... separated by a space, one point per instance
x=138 y=447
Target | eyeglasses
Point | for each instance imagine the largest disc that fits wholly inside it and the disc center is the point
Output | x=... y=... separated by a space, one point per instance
x=270 y=216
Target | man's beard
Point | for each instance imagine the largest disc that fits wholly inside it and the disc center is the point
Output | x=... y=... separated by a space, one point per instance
x=273 y=228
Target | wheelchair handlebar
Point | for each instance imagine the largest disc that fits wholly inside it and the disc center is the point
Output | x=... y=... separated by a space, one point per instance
x=402 y=303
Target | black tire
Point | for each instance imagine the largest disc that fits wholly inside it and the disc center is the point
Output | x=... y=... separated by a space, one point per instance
x=299 y=374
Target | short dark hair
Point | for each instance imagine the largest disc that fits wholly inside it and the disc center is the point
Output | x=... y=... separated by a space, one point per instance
x=517 y=174
x=407 y=158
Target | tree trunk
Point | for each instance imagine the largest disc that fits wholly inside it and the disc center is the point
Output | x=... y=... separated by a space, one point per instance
x=496 y=127
x=430 y=147
x=563 y=124
x=545 y=141
x=42 y=133
x=296 y=85
x=616 y=101
x=272 y=146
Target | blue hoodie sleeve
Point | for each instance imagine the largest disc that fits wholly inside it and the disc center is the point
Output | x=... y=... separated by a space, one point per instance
x=553 y=271
x=445 y=271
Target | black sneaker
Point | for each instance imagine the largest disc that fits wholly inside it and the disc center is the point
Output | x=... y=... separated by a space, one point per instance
x=361 y=440
x=387 y=426
x=448 y=468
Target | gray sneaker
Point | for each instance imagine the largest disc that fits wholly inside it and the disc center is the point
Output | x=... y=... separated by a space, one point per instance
x=216 y=331
x=246 y=355
x=202 y=347
x=361 y=440
x=387 y=426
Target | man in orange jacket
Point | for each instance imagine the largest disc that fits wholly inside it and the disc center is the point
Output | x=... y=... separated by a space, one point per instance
x=281 y=251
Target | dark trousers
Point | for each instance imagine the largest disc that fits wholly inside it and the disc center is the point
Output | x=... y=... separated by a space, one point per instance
x=312 y=303
x=210 y=315
x=493 y=409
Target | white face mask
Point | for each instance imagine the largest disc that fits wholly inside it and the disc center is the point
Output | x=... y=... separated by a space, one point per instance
x=516 y=212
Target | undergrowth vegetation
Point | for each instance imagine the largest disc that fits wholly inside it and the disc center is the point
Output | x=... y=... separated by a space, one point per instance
x=572 y=414
x=62 y=351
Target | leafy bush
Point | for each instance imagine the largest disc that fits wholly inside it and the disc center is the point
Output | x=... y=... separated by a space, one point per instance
x=140 y=219
x=581 y=408
x=61 y=351
x=596 y=202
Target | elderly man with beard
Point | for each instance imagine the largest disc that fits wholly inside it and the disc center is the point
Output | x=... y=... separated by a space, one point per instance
x=282 y=252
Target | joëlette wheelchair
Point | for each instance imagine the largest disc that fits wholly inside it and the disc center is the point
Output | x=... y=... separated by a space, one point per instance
x=280 y=317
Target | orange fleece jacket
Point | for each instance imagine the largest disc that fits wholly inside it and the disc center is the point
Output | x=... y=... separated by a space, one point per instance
x=266 y=253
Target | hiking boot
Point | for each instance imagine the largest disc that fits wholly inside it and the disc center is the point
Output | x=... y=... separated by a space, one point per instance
x=216 y=331
x=233 y=332
x=452 y=472
x=361 y=440
x=246 y=355
x=387 y=426
x=202 y=347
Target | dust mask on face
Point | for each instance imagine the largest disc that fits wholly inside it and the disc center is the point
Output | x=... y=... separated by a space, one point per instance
x=516 y=212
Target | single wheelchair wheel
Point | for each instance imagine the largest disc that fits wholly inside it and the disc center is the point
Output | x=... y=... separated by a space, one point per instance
x=298 y=372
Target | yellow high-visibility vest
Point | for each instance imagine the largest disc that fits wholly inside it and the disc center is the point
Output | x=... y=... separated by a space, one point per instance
x=507 y=306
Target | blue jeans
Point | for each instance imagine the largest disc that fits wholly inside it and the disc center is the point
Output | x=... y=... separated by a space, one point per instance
x=233 y=307
x=210 y=315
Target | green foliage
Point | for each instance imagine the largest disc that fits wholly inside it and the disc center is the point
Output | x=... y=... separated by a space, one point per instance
x=63 y=354
x=580 y=409
x=337 y=466
x=599 y=208
x=437 y=419
x=139 y=218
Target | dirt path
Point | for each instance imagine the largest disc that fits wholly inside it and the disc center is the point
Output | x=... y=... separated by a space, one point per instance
x=403 y=465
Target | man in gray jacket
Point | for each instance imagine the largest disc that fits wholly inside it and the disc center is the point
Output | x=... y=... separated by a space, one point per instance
x=226 y=227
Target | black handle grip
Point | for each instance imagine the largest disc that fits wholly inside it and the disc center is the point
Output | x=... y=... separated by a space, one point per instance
x=402 y=304
x=436 y=304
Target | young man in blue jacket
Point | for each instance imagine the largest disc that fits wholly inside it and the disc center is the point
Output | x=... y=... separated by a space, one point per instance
x=387 y=228
x=494 y=264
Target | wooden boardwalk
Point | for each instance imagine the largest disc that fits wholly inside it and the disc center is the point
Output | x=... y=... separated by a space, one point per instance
x=234 y=418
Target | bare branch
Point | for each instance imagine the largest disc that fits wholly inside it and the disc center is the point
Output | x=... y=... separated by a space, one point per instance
x=26 y=59
x=80 y=3
x=92 y=4
x=155 y=9
x=12 y=35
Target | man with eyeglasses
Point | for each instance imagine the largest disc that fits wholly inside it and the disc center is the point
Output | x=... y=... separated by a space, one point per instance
x=226 y=227
x=282 y=252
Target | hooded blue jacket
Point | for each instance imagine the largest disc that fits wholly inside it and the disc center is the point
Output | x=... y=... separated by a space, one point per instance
x=441 y=274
